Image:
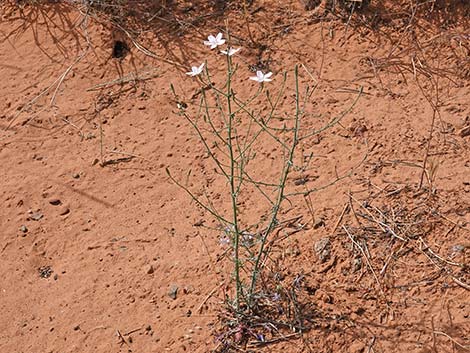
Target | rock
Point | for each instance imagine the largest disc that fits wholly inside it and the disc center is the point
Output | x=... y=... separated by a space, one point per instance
x=76 y=176
x=150 y=269
x=64 y=211
x=323 y=249
x=55 y=202
x=199 y=223
x=188 y=289
x=45 y=271
x=465 y=131
x=356 y=264
x=173 y=292
x=319 y=223
x=36 y=216
x=360 y=131
x=76 y=328
x=23 y=229
x=148 y=328
x=300 y=181
x=357 y=128
x=457 y=248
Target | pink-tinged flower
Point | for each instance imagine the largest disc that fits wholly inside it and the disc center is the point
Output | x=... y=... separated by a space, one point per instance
x=261 y=77
x=214 y=42
x=230 y=51
x=195 y=70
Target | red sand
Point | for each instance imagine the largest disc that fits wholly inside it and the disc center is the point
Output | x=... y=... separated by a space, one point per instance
x=123 y=235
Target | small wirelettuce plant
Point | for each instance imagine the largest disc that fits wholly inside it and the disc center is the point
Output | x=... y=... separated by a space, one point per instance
x=221 y=115
x=233 y=132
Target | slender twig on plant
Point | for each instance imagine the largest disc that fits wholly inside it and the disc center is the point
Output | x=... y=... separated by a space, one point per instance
x=280 y=195
x=233 y=193
x=216 y=215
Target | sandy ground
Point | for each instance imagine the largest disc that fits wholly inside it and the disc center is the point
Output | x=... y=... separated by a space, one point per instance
x=117 y=258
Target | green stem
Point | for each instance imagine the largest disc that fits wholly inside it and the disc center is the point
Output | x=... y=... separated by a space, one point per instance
x=233 y=192
x=280 y=196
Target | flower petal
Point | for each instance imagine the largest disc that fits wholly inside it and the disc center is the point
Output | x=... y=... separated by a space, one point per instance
x=268 y=75
x=219 y=36
x=259 y=74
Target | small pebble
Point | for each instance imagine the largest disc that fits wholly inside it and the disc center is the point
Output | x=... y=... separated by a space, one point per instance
x=45 y=271
x=319 y=223
x=356 y=264
x=64 y=211
x=173 y=292
x=464 y=132
x=76 y=176
x=150 y=269
x=55 y=202
x=23 y=229
x=458 y=248
x=323 y=249
x=36 y=216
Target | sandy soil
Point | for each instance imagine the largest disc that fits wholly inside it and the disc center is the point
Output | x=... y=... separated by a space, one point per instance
x=117 y=258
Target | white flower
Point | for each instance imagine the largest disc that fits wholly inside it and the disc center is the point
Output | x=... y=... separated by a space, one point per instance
x=214 y=42
x=261 y=77
x=230 y=51
x=195 y=70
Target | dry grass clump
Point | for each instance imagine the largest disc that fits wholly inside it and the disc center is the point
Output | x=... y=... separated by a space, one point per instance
x=136 y=16
x=396 y=227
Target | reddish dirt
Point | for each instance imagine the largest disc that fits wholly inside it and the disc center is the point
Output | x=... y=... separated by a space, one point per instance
x=90 y=253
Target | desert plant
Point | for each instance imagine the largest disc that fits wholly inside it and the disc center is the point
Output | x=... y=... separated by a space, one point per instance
x=220 y=115
x=233 y=132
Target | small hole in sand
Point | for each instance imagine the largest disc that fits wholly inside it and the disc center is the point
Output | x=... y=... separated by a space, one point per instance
x=120 y=49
